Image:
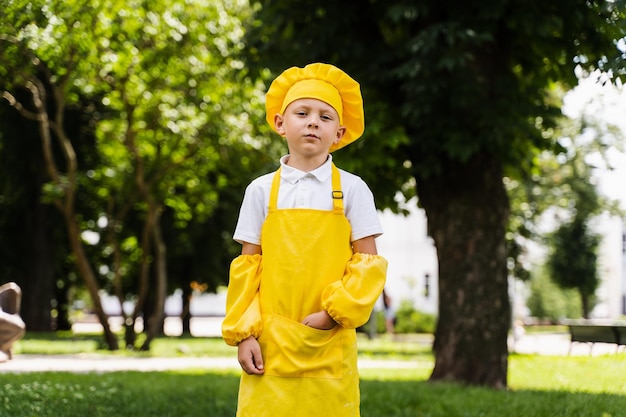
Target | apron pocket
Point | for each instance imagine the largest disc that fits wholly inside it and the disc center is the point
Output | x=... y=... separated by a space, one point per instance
x=291 y=349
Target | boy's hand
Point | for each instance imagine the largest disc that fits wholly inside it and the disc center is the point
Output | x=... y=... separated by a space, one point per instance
x=249 y=356
x=320 y=320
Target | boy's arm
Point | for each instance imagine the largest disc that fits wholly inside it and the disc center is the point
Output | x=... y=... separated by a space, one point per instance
x=365 y=245
x=249 y=350
x=250 y=356
x=250 y=249
x=322 y=319
x=350 y=300
x=243 y=315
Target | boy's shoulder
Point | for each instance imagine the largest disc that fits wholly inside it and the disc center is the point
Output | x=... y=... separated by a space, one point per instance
x=348 y=178
x=343 y=172
x=262 y=182
x=265 y=177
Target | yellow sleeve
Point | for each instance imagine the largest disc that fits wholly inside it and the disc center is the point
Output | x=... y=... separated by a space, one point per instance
x=350 y=300
x=243 y=312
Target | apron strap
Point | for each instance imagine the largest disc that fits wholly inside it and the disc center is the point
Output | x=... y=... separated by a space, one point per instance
x=337 y=194
x=274 y=191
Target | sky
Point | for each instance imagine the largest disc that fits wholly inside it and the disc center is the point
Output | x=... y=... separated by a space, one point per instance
x=606 y=102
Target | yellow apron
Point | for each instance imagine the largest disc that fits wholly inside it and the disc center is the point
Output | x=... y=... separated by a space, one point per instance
x=308 y=372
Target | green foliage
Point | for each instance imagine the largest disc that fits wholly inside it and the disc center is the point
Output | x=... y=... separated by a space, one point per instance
x=410 y=320
x=573 y=253
x=564 y=182
x=171 y=118
x=548 y=301
x=443 y=82
x=573 y=261
x=182 y=112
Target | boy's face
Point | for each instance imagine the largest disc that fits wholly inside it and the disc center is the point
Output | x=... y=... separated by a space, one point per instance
x=310 y=126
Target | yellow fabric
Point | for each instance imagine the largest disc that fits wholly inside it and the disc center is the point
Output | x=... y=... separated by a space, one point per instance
x=243 y=313
x=308 y=372
x=350 y=300
x=351 y=115
x=317 y=89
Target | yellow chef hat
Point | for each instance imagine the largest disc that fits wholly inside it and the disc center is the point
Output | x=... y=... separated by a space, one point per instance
x=323 y=82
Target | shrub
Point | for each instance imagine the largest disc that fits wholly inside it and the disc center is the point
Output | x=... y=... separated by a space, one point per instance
x=410 y=320
x=549 y=302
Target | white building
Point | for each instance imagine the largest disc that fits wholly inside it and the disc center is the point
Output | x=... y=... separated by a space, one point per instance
x=413 y=272
x=413 y=266
x=624 y=270
x=611 y=260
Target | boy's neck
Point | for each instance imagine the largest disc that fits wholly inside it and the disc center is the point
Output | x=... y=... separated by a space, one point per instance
x=306 y=164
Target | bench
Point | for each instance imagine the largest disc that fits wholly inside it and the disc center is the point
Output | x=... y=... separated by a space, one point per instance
x=12 y=326
x=590 y=333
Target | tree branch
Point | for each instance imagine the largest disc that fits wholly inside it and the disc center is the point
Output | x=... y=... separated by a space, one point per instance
x=13 y=102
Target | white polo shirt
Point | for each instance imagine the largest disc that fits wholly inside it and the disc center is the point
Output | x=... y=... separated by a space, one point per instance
x=299 y=189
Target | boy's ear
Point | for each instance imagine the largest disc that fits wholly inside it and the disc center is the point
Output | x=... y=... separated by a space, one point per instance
x=340 y=132
x=279 y=124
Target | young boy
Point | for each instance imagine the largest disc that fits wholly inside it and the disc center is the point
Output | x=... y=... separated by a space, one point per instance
x=308 y=274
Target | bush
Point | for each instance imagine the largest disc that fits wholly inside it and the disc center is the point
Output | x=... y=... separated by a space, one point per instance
x=410 y=320
x=549 y=302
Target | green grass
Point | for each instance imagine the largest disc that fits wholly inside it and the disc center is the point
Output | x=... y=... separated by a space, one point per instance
x=61 y=343
x=539 y=386
x=546 y=328
x=118 y=394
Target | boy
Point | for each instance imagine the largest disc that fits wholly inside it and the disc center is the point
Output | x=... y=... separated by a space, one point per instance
x=308 y=273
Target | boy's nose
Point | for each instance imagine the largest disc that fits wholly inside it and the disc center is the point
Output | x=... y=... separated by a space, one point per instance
x=313 y=122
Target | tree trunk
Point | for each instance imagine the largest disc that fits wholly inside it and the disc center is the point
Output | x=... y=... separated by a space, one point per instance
x=130 y=337
x=63 y=308
x=86 y=272
x=185 y=315
x=155 y=323
x=37 y=285
x=66 y=181
x=467 y=209
x=584 y=300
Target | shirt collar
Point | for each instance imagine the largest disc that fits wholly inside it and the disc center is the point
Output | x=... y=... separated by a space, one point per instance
x=293 y=175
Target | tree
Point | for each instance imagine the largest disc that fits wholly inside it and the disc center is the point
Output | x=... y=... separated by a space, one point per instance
x=573 y=260
x=28 y=228
x=170 y=108
x=36 y=66
x=565 y=185
x=547 y=301
x=455 y=96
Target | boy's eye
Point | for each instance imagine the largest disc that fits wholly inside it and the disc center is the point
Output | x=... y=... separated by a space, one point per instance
x=326 y=117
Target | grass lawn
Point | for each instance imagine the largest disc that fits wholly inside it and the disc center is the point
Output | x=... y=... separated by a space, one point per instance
x=539 y=386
